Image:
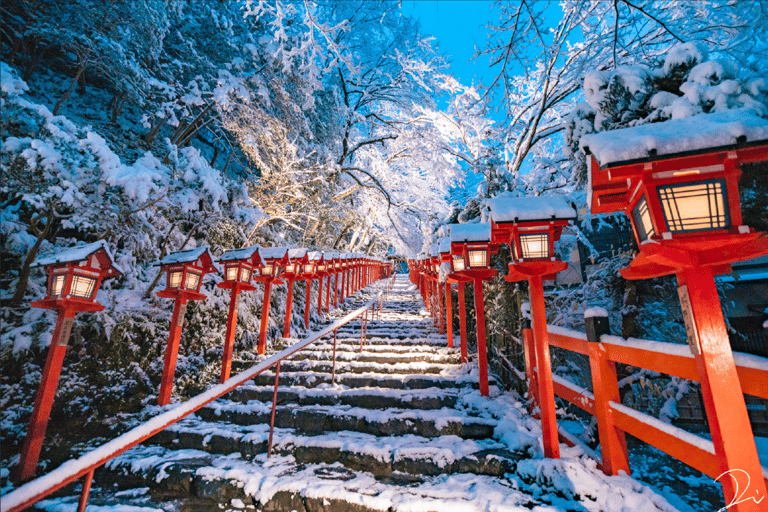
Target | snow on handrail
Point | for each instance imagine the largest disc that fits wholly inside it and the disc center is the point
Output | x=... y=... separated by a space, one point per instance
x=35 y=490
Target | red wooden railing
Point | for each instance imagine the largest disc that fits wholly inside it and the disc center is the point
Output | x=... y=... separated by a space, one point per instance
x=615 y=419
x=35 y=490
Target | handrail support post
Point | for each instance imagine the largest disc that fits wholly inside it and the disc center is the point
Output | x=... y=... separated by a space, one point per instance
x=274 y=407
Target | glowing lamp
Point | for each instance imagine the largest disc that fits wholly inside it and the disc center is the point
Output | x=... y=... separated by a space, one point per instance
x=458 y=263
x=478 y=257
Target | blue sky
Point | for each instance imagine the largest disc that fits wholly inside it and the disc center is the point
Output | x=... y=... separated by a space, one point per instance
x=458 y=26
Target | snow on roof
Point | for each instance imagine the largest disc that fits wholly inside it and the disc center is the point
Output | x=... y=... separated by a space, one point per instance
x=514 y=209
x=434 y=250
x=245 y=253
x=478 y=232
x=78 y=253
x=693 y=133
x=186 y=256
x=297 y=253
x=273 y=252
x=445 y=244
x=315 y=256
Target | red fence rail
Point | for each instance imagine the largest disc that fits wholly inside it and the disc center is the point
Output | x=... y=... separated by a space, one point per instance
x=615 y=419
x=35 y=490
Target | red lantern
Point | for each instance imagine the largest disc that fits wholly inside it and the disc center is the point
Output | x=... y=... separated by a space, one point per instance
x=240 y=266
x=275 y=260
x=472 y=244
x=74 y=278
x=678 y=183
x=531 y=226
x=184 y=276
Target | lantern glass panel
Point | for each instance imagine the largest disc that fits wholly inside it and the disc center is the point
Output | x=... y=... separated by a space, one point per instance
x=193 y=281
x=267 y=270
x=174 y=279
x=245 y=275
x=694 y=206
x=478 y=258
x=82 y=286
x=642 y=218
x=308 y=268
x=458 y=263
x=535 y=245
x=57 y=284
x=290 y=269
x=231 y=273
x=321 y=268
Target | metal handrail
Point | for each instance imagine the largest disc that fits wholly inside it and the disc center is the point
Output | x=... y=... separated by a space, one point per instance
x=35 y=490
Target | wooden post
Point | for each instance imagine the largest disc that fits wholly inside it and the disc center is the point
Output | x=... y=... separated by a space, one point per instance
x=262 y=346
x=605 y=385
x=463 y=323
x=229 y=337
x=38 y=422
x=336 y=290
x=441 y=309
x=288 y=309
x=172 y=350
x=449 y=314
x=546 y=388
x=482 y=353
x=726 y=410
x=320 y=296
x=530 y=365
x=274 y=407
x=85 y=493
x=306 y=303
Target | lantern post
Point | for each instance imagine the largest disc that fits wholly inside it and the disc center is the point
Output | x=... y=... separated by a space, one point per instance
x=292 y=271
x=683 y=201
x=275 y=259
x=333 y=271
x=321 y=272
x=74 y=278
x=437 y=287
x=184 y=276
x=240 y=266
x=309 y=272
x=444 y=248
x=531 y=226
x=472 y=243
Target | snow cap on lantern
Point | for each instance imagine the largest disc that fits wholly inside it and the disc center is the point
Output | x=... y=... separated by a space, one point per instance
x=185 y=270
x=76 y=273
x=298 y=258
x=317 y=259
x=530 y=225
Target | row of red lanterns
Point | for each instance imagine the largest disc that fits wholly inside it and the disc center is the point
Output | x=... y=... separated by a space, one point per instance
x=75 y=276
x=686 y=215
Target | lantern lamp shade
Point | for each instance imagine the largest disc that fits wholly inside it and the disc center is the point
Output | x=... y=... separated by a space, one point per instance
x=458 y=263
x=192 y=281
x=642 y=218
x=309 y=268
x=290 y=269
x=82 y=286
x=321 y=268
x=478 y=258
x=534 y=245
x=174 y=278
x=697 y=206
x=56 y=287
x=231 y=272
x=245 y=274
x=268 y=270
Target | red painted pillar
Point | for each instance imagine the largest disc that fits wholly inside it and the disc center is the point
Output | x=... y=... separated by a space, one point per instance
x=729 y=423
x=434 y=302
x=288 y=309
x=306 y=304
x=328 y=294
x=441 y=308
x=530 y=364
x=336 y=290
x=172 y=350
x=229 y=338
x=262 y=346
x=463 y=323
x=449 y=314
x=38 y=423
x=343 y=286
x=546 y=388
x=482 y=354
x=320 y=295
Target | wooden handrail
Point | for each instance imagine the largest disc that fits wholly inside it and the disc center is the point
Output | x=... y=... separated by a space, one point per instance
x=35 y=490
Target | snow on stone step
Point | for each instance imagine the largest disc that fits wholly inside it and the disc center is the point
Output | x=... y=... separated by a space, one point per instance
x=409 y=368
x=394 y=348
x=350 y=355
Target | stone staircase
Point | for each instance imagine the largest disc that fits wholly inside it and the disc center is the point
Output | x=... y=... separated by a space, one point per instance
x=391 y=431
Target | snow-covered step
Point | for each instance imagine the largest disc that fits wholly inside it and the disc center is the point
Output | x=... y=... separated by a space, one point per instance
x=317 y=419
x=357 y=451
x=368 y=397
x=409 y=368
x=377 y=356
x=352 y=380
x=353 y=345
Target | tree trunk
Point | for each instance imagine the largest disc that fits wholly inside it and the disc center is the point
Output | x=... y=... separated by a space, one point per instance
x=21 y=286
x=152 y=135
x=73 y=83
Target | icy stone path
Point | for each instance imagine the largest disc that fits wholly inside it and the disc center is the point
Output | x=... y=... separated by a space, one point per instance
x=403 y=429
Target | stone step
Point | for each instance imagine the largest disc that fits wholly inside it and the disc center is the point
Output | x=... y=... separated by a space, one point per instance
x=410 y=368
x=395 y=348
x=376 y=357
x=367 y=397
x=192 y=479
x=352 y=380
x=380 y=456
x=318 y=419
